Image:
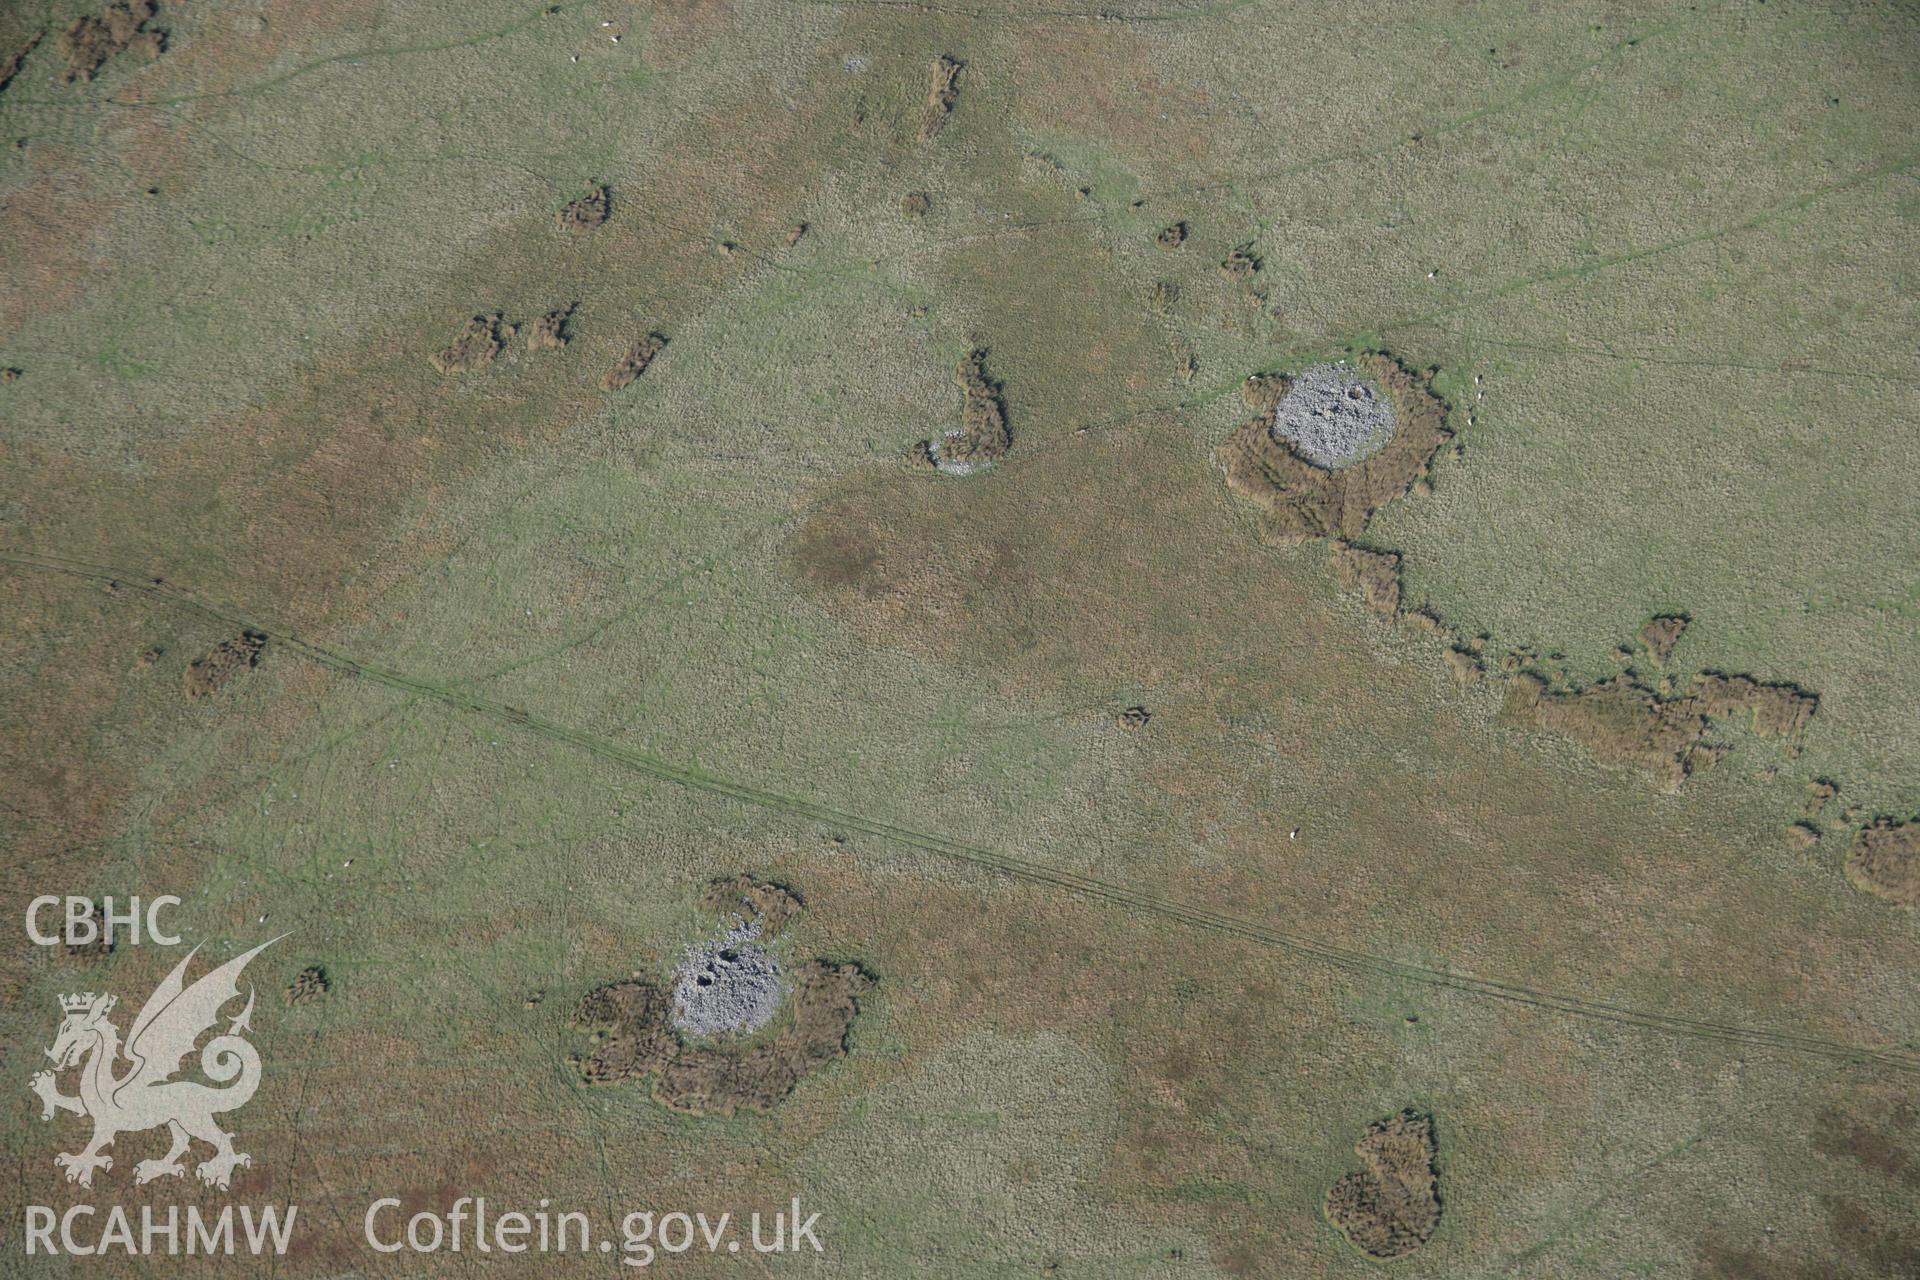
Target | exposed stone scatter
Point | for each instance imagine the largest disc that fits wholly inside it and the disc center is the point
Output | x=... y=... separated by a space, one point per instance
x=1333 y=415
x=1300 y=499
x=635 y=1037
x=640 y=1029
x=728 y=986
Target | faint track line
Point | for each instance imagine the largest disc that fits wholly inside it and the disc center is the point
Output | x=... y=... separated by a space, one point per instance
x=1521 y=97
x=1579 y=271
x=1116 y=894
x=351 y=57
x=1784 y=367
x=1029 y=17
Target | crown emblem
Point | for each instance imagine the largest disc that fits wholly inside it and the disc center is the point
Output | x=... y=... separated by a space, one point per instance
x=76 y=1003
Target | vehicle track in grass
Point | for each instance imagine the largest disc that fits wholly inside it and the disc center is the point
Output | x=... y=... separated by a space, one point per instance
x=647 y=764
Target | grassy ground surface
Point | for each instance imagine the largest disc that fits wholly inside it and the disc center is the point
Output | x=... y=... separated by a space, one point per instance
x=546 y=659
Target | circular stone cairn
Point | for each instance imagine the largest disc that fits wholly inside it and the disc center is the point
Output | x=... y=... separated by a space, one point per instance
x=727 y=987
x=1333 y=416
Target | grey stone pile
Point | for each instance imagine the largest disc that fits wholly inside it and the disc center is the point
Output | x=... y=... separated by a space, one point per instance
x=1333 y=416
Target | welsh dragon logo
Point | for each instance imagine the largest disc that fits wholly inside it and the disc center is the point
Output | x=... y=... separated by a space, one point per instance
x=144 y=1095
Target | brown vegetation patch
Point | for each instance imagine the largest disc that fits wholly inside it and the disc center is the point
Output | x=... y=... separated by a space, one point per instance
x=1859 y=1232
x=89 y=41
x=1300 y=500
x=1189 y=364
x=549 y=332
x=1394 y=1207
x=678 y=30
x=915 y=204
x=1802 y=837
x=1172 y=236
x=983 y=413
x=837 y=557
x=1465 y=666
x=1263 y=392
x=1134 y=718
x=1778 y=710
x=1660 y=634
x=223 y=662
x=983 y=435
x=588 y=212
x=634 y=363
x=478 y=343
x=1107 y=80
x=232 y=49
x=1820 y=792
x=771 y=906
x=67 y=797
x=1372 y=575
x=57 y=231
x=1885 y=859
x=317 y=477
x=992 y=577
x=308 y=985
x=11 y=67
x=1883 y=1143
x=1859 y=1243
x=1623 y=722
x=943 y=90
x=1619 y=722
x=1241 y=262
x=633 y=1023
